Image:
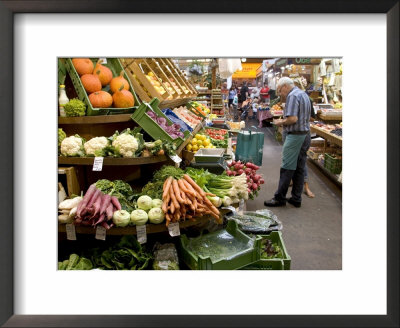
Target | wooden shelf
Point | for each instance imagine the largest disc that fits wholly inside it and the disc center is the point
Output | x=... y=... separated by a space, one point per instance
x=111 y=160
x=326 y=135
x=101 y=119
x=150 y=228
x=330 y=117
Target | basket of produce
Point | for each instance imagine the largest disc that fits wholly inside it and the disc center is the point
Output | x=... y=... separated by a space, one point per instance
x=333 y=163
x=219 y=137
x=175 y=119
x=103 y=87
x=157 y=125
x=226 y=249
x=274 y=255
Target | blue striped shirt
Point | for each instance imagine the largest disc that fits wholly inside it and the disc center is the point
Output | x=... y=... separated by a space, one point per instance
x=298 y=104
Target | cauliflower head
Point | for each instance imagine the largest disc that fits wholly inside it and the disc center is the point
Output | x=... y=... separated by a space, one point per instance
x=95 y=146
x=72 y=146
x=126 y=145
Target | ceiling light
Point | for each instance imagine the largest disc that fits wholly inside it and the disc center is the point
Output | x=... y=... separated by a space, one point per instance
x=243 y=60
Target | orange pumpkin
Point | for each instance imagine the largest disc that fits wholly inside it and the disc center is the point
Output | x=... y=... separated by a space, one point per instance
x=91 y=83
x=83 y=65
x=116 y=83
x=100 y=99
x=123 y=98
x=104 y=73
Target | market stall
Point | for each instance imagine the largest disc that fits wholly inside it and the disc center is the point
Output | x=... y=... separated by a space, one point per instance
x=150 y=174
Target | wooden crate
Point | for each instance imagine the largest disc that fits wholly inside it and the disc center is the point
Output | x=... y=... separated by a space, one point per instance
x=137 y=71
x=179 y=76
x=73 y=187
x=169 y=81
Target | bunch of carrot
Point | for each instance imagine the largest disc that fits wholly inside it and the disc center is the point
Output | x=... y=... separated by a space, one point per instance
x=184 y=199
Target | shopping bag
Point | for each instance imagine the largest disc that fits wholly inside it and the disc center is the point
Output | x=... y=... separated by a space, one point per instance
x=249 y=147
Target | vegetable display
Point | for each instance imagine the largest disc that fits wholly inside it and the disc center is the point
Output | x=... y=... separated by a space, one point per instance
x=96 y=146
x=174 y=130
x=128 y=143
x=67 y=209
x=184 y=199
x=253 y=180
x=198 y=142
x=75 y=262
x=61 y=137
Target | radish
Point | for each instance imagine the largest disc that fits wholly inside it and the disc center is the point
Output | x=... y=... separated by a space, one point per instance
x=229 y=173
x=248 y=171
x=255 y=186
x=256 y=167
x=237 y=167
x=234 y=173
x=248 y=190
x=261 y=181
x=257 y=178
x=240 y=172
x=241 y=166
x=249 y=165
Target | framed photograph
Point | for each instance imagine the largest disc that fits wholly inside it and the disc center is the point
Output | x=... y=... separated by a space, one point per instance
x=38 y=40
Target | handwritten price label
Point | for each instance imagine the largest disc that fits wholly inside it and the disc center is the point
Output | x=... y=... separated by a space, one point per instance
x=176 y=159
x=101 y=233
x=141 y=234
x=98 y=163
x=70 y=229
x=173 y=229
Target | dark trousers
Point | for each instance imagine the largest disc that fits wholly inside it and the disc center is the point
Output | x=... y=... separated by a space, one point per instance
x=296 y=175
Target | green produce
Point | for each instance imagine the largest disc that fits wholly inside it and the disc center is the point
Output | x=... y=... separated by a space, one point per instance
x=121 y=218
x=156 y=215
x=153 y=189
x=139 y=217
x=97 y=146
x=168 y=171
x=75 y=107
x=156 y=203
x=75 y=263
x=128 y=254
x=144 y=202
x=120 y=189
x=61 y=136
x=216 y=201
x=270 y=250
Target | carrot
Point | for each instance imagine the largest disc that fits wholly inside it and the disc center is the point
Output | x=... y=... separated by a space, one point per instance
x=189 y=187
x=164 y=207
x=172 y=209
x=177 y=192
x=210 y=194
x=173 y=198
x=194 y=184
x=184 y=188
x=167 y=185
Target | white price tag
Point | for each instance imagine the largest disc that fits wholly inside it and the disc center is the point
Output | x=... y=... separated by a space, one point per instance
x=104 y=60
x=163 y=265
x=101 y=233
x=98 y=163
x=70 y=229
x=173 y=229
x=176 y=159
x=241 y=206
x=141 y=234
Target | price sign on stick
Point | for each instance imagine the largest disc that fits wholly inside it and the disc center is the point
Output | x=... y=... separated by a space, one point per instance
x=141 y=234
x=101 y=233
x=70 y=228
x=98 y=163
x=173 y=229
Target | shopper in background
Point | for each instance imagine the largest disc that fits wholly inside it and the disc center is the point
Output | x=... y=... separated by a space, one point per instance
x=244 y=92
x=272 y=87
x=232 y=94
x=254 y=107
x=296 y=125
x=255 y=92
x=232 y=101
x=307 y=191
x=264 y=93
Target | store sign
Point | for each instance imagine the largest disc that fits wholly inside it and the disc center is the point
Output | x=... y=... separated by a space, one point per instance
x=249 y=71
x=303 y=61
x=281 y=62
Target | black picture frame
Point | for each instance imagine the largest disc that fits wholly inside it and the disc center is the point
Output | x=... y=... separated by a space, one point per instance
x=7 y=11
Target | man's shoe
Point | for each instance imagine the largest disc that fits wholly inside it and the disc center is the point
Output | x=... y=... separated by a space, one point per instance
x=274 y=203
x=294 y=203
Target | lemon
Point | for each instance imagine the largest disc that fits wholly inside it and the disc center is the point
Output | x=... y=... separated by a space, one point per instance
x=208 y=147
x=201 y=146
x=199 y=142
x=195 y=148
x=204 y=138
x=206 y=142
x=197 y=136
x=189 y=147
x=194 y=141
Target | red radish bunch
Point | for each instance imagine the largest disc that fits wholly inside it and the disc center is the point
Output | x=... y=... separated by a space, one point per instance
x=96 y=208
x=254 y=180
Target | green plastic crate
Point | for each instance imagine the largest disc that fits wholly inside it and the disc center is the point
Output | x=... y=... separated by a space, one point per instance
x=115 y=66
x=248 y=255
x=332 y=164
x=273 y=264
x=151 y=127
x=190 y=107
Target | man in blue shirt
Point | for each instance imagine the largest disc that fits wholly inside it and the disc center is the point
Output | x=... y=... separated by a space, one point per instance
x=294 y=153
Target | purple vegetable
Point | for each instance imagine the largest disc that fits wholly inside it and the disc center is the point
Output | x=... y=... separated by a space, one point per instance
x=110 y=211
x=116 y=203
x=89 y=193
x=162 y=121
x=104 y=204
x=101 y=219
